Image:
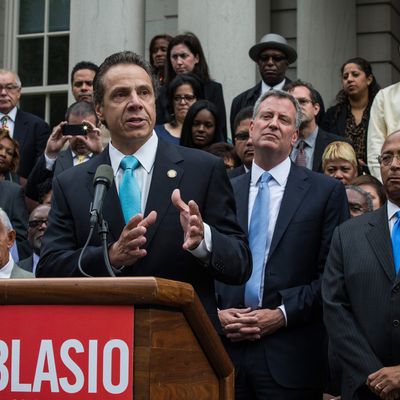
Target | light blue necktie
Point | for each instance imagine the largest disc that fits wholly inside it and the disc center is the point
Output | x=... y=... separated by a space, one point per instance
x=396 y=242
x=129 y=191
x=258 y=236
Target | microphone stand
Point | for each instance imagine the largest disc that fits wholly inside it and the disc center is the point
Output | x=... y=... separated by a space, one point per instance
x=103 y=233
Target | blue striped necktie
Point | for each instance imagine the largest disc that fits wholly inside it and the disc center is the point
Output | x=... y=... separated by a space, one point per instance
x=129 y=191
x=258 y=235
x=396 y=242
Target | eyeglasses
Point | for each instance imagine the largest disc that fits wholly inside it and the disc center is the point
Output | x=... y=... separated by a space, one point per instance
x=9 y=87
x=275 y=59
x=35 y=223
x=241 y=137
x=387 y=159
x=187 y=98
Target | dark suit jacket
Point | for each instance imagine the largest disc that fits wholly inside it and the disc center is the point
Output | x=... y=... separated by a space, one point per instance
x=323 y=139
x=312 y=206
x=361 y=295
x=250 y=96
x=32 y=133
x=27 y=264
x=40 y=173
x=12 y=201
x=233 y=173
x=200 y=176
x=212 y=92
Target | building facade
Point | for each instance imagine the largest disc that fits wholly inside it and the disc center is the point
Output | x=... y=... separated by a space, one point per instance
x=43 y=39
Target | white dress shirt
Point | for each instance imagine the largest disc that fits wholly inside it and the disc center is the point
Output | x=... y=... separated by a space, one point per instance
x=276 y=185
x=5 y=272
x=266 y=88
x=146 y=156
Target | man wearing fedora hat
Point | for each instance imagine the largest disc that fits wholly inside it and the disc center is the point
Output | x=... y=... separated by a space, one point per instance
x=273 y=55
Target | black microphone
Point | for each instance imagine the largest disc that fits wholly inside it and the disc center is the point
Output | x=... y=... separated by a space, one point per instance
x=102 y=181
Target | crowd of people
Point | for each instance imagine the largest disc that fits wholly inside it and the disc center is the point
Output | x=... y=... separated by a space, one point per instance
x=307 y=303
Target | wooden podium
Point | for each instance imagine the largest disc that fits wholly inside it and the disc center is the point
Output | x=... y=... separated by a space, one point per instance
x=177 y=352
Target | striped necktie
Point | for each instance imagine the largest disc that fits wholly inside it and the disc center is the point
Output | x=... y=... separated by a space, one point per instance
x=301 y=158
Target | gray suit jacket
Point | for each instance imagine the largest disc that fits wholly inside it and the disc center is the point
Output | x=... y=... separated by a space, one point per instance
x=361 y=295
x=19 y=273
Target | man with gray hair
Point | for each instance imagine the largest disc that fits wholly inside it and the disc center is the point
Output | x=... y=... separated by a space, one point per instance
x=273 y=324
x=8 y=269
x=30 y=131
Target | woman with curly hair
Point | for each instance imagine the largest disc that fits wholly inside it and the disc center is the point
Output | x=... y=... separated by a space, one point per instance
x=9 y=157
x=349 y=117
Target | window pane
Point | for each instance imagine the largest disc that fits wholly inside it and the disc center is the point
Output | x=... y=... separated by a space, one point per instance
x=58 y=107
x=58 y=60
x=59 y=15
x=31 y=16
x=33 y=103
x=30 y=61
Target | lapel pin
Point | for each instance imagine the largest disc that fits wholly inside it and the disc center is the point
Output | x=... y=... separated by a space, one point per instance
x=171 y=173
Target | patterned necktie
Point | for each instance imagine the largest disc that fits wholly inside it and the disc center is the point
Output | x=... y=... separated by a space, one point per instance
x=129 y=191
x=80 y=159
x=396 y=242
x=4 y=122
x=301 y=158
x=258 y=236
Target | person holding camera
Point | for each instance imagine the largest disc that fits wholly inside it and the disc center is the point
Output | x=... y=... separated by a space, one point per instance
x=81 y=131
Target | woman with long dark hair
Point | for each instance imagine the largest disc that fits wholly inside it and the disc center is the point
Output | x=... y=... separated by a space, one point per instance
x=201 y=127
x=349 y=117
x=184 y=55
x=158 y=54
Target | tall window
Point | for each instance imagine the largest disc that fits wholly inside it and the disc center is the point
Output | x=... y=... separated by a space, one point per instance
x=43 y=53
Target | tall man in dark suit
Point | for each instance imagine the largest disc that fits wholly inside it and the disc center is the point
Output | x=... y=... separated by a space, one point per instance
x=361 y=292
x=194 y=241
x=312 y=140
x=30 y=131
x=273 y=324
x=273 y=55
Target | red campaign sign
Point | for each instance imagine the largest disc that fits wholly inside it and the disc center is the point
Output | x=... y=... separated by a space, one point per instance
x=66 y=352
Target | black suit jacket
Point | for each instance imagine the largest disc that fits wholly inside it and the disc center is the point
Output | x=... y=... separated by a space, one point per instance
x=323 y=139
x=40 y=173
x=250 y=96
x=312 y=206
x=12 y=201
x=32 y=133
x=361 y=294
x=26 y=264
x=233 y=173
x=199 y=176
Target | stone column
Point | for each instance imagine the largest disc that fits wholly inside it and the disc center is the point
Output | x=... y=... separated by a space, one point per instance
x=102 y=27
x=226 y=29
x=326 y=38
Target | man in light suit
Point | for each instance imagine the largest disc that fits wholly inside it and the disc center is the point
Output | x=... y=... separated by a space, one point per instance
x=361 y=292
x=186 y=227
x=30 y=131
x=8 y=269
x=277 y=341
x=315 y=138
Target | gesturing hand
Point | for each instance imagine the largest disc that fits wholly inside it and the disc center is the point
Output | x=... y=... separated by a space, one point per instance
x=191 y=221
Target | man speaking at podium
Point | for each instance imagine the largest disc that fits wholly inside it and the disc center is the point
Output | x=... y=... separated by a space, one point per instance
x=170 y=209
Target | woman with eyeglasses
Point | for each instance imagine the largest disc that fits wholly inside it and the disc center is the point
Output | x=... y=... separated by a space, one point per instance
x=349 y=117
x=183 y=91
x=9 y=157
x=184 y=55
